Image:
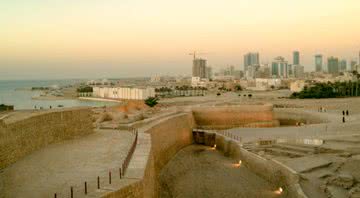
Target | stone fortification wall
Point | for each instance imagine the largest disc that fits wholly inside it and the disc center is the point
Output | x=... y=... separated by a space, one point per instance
x=291 y=116
x=158 y=142
x=235 y=116
x=19 y=137
x=271 y=170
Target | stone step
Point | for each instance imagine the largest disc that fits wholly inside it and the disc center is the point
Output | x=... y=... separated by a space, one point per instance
x=297 y=148
x=280 y=151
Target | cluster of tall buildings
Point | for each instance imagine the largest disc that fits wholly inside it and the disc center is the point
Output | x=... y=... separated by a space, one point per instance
x=335 y=65
x=278 y=68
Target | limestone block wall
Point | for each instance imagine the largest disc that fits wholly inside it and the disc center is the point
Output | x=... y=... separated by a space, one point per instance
x=167 y=139
x=291 y=116
x=271 y=170
x=158 y=142
x=18 y=138
x=235 y=116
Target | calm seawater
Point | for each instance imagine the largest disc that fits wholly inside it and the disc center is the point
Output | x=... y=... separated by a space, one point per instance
x=22 y=99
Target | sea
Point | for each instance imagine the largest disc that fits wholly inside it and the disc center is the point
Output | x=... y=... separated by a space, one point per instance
x=18 y=94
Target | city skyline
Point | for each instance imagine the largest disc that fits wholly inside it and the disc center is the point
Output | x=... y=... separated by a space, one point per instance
x=119 y=39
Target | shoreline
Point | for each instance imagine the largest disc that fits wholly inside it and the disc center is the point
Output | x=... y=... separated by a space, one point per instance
x=99 y=99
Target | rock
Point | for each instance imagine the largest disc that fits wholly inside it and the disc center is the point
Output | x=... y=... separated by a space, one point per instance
x=355 y=192
x=343 y=180
x=345 y=154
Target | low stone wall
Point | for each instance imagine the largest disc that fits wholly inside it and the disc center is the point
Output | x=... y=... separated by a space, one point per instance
x=18 y=138
x=291 y=116
x=271 y=170
x=235 y=116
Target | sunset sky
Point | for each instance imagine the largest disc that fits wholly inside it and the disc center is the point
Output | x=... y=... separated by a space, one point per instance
x=123 y=38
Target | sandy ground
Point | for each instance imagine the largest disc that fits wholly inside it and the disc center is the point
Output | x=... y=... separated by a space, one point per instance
x=199 y=171
x=70 y=163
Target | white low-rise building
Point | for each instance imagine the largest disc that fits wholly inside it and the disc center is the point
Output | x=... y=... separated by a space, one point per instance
x=267 y=83
x=123 y=93
x=199 y=82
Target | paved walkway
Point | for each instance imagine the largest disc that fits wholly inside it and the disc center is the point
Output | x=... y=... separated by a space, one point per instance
x=70 y=163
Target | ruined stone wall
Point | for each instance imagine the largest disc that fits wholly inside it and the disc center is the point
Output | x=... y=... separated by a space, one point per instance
x=234 y=116
x=21 y=137
x=291 y=116
x=271 y=170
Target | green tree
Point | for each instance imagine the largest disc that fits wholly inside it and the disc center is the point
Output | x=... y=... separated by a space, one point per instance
x=151 y=101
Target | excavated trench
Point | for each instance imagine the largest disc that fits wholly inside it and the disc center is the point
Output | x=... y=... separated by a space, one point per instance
x=201 y=171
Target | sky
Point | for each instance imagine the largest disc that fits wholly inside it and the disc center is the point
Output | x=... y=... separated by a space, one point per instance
x=46 y=39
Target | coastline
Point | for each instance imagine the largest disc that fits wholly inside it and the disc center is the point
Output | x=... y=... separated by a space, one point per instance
x=99 y=99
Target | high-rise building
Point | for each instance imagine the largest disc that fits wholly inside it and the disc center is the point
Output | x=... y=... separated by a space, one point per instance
x=251 y=59
x=199 y=68
x=299 y=71
x=333 y=65
x=353 y=65
x=290 y=70
x=342 y=65
x=318 y=62
x=296 y=58
x=279 y=68
x=208 y=72
x=251 y=71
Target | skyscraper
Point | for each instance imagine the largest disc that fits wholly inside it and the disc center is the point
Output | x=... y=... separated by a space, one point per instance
x=208 y=72
x=299 y=71
x=279 y=67
x=333 y=65
x=296 y=58
x=251 y=59
x=199 y=68
x=342 y=65
x=353 y=64
x=318 y=62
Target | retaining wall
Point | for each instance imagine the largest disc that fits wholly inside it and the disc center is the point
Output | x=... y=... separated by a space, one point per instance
x=158 y=142
x=20 y=137
x=222 y=117
x=291 y=116
x=271 y=170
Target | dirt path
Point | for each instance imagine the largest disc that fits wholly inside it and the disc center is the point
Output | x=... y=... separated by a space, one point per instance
x=199 y=171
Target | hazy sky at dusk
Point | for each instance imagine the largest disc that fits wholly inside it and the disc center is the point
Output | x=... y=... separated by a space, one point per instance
x=119 y=38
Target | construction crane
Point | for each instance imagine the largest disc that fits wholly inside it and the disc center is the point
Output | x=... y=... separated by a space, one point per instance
x=195 y=53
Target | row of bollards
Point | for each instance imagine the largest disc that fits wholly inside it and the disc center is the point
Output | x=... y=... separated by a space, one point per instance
x=121 y=170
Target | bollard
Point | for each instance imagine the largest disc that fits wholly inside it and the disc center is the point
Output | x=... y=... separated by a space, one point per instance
x=120 y=172
x=85 y=188
x=98 y=182
x=71 y=192
x=109 y=177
